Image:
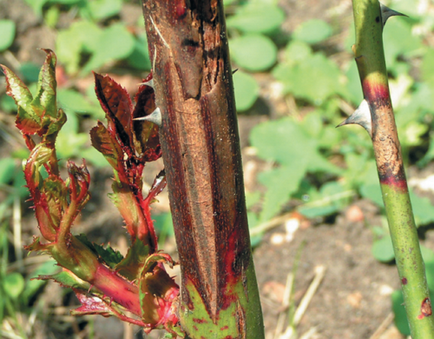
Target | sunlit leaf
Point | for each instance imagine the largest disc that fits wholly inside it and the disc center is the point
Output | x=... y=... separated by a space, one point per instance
x=382 y=249
x=256 y=18
x=313 y=31
x=7 y=36
x=253 y=52
x=246 y=90
x=13 y=284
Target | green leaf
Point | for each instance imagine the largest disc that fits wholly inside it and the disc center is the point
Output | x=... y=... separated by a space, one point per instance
x=312 y=31
x=45 y=96
x=80 y=37
x=382 y=249
x=254 y=52
x=8 y=104
x=71 y=100
x=29 y=71
x=373 y=192
x=353 y=88
x=37 y=6
x=332 y=198
x=7 y=170
x=314 y=78
x=281 y=183
x=94 y=157
x=13 y=284
x=297 y=51
x=139 y=57
x=253 y=220
x=109 y=255
x=422 y=208
x=33 y=285
x=246 y=90
x=252 y=198
x=256 y=18
x=399 y=40
x=115 y=43
x=7 y=36
x=398 y=307
x=103 y=9
x=289 y=143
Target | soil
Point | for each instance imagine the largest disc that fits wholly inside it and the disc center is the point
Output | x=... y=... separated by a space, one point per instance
x=352 y=300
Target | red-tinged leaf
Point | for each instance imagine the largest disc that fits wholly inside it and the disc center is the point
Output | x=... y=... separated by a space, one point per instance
x=105 y=143
x=47 y=214
x=16 y=89
x=39 y=156
x=118 y=107
x=157 y=187
x=126 y=202
x=91 y=305
x=67 y=279
x=95 y=305
x=158 y=291
x=132 y=264
x=28 y=121
x=148 y=78
x=155 y=258
x=46 y=93
x=146 y=138
x=53 y=125
x=37 y=246
x=79 y=184
x=54 y=195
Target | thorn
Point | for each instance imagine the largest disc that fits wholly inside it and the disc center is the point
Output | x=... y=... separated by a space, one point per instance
x=386 y=13
x=361 y=116
x=234 y=71
x=149 y=83
x=154 y=117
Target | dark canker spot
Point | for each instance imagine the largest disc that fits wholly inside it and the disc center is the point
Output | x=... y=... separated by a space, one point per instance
x=377 y=19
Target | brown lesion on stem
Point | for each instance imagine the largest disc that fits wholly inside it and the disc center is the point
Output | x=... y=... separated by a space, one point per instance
x=200 y=143
x=384 y=133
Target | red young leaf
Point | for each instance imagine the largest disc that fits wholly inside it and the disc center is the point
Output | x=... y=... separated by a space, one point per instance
x=105 y=143
x=91 y=305
x=118 y=107
x=146 y=132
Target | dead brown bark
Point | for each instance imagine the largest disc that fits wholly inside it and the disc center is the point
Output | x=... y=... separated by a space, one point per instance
x=200 y=143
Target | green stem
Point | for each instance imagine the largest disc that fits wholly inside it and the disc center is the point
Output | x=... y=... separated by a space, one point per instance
x=373 y=74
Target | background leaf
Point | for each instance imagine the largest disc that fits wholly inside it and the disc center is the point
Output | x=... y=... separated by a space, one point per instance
x=313 y=31
x=246 y=90
x=256 y=18
x=7 y=35
x=253 y=52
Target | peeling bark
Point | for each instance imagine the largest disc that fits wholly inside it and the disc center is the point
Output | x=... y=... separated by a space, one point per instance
x=201 y=152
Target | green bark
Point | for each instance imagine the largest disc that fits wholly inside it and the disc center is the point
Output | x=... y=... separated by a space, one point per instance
x=380 y=124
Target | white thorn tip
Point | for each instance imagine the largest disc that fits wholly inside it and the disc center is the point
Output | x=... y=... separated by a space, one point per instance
x=154 y=117
x=361 y=116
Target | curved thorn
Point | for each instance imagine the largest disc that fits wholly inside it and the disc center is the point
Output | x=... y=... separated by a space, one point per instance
x=154 y=117
x=386 y=13
x=361 y=116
